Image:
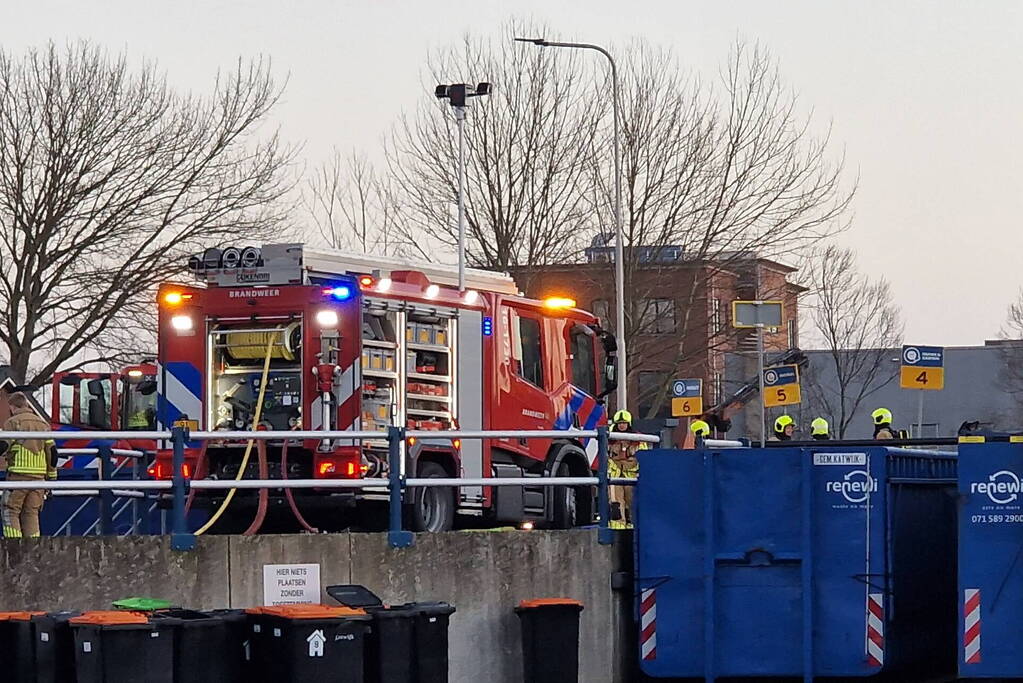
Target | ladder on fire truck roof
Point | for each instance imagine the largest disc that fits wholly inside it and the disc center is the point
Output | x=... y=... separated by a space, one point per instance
x=328 y=262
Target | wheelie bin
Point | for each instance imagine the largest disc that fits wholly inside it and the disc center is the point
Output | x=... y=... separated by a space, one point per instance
x=17 y=636
x=309 y=642
x=54 y=647
x=549 y=626
x=408 y=643
x=114 y=647
x=203 y=647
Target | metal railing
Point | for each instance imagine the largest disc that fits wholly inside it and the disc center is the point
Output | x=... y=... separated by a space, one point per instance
x=396 y=482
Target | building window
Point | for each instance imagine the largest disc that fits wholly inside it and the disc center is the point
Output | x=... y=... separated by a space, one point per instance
x=651 y=387
x=793 y=341
x=658 y=316
x=531 y=361
x=717 y=318
x=602 y=310
x=927 y=430
x=718 y=388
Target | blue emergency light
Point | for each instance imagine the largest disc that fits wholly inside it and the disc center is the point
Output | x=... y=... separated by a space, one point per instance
x=488 y=326
x=341 y=292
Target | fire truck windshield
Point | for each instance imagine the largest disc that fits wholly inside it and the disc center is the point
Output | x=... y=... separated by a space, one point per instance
x=139 y=411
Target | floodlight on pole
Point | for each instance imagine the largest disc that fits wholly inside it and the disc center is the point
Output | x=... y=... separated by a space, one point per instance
x=623 y=374
x=457 y=95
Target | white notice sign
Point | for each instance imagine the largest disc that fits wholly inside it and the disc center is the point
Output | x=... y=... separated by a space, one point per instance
x=839 y=458
x=290 y=584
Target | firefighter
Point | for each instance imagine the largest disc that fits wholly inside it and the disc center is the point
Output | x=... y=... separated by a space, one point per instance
x=820 y=430
x=141 y=420
x=883 y=429
x=700 y=429
x=784 y=427
x=623 y=465
x=27 y=460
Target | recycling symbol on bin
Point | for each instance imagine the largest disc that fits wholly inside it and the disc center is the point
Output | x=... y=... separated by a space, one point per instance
x=316 y=642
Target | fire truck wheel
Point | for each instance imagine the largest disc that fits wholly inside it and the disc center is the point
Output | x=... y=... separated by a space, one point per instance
x=433 y=509
x=565 y=502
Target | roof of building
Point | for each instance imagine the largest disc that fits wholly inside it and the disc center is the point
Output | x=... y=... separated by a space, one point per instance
x=8 y=384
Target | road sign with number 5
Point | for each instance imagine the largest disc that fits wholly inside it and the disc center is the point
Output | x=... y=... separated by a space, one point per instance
x=785 y=395
x=781 y=386
x=922 y=368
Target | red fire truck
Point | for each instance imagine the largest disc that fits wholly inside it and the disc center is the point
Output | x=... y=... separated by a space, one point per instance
x=108 y=401
x=347 y=342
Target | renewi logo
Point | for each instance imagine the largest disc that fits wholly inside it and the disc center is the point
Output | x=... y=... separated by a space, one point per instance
x=1002 y=487
x=855 y=487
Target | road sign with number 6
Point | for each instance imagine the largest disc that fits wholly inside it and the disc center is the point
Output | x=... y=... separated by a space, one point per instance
x=687 y=397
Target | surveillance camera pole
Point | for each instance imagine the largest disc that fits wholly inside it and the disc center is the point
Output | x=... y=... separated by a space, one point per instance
x=458 y=95
x=460 y=123
x=623 y=373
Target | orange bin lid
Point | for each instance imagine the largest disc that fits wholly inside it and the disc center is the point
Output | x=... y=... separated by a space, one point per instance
x=19 y=616
x=110 y=618
x=311 y=611
x=549 y=602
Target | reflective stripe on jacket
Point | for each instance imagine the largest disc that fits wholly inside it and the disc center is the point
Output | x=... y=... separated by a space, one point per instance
x=29 y=457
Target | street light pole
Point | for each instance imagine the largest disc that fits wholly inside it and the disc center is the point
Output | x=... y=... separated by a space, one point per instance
x=623 y=374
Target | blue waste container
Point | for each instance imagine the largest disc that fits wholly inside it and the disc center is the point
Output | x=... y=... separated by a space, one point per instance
x=990 y=594
x=795 y=562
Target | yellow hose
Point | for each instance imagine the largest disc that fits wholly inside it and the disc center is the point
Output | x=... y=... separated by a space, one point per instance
x=248 y=448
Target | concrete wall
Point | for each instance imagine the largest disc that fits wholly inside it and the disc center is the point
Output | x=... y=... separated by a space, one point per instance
x=484 y=574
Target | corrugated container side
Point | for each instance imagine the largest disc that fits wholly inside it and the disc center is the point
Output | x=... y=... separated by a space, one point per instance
x=793 y=551
x=990 y=595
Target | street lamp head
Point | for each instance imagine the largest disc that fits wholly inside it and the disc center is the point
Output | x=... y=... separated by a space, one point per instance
x=535 y=41
x=440 y=92
x=482 y=89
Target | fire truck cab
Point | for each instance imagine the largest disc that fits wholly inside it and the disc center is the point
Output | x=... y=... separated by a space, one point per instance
x=107 y=401
x=344 y=342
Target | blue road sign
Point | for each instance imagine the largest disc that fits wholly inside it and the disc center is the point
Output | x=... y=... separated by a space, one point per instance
x=687 y=388
x=781 y=375
x=923 y=356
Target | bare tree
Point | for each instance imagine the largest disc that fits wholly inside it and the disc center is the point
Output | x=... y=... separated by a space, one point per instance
x=1011 y=351
x=715 y=177
x=859 y=325
x=353 y=207
x=530 y=145
x=108 y=180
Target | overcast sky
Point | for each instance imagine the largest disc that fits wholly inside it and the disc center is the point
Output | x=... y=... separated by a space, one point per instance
x=925 y=98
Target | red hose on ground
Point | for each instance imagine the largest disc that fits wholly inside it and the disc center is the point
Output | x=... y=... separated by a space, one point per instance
x=288 y=494
x=264 y=495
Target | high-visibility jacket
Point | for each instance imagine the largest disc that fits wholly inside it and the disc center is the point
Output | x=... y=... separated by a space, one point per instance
x=29 y=457
x=138 y=420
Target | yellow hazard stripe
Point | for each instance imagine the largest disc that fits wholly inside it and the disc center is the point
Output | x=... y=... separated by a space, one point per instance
x=1016 y=439
x=971 y=439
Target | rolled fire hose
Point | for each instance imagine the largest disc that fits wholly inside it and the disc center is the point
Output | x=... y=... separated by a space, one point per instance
x=263 y=495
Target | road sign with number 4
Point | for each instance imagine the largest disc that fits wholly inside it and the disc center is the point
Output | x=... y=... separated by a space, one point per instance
x=922 y=368
x=781 y=386
x=686 y=397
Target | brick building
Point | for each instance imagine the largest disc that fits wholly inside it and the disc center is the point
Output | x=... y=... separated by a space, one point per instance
x=678 y=313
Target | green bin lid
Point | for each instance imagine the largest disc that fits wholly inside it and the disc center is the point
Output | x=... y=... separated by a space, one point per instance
x=142 y=604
